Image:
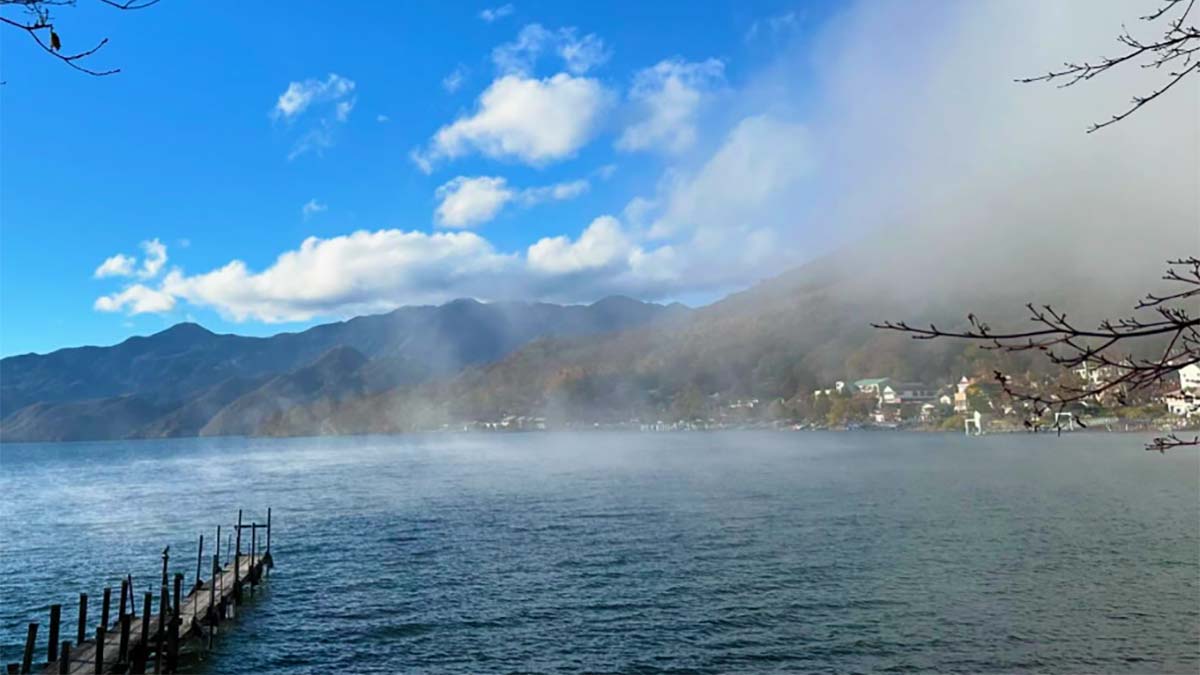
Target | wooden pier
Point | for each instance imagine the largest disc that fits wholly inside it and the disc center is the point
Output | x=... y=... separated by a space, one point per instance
x=152 y=641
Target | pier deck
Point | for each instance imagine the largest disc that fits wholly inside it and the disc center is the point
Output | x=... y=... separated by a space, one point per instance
x=150 y=641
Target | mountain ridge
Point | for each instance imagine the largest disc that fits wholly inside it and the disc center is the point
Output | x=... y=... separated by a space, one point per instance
x=186 y=372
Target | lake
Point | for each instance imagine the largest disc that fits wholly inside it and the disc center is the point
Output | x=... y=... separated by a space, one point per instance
x=639 y=553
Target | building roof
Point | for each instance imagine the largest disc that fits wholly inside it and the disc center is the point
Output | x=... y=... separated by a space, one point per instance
x=870 y=381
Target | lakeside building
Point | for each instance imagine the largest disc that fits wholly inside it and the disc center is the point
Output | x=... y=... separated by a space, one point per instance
x=961 y=404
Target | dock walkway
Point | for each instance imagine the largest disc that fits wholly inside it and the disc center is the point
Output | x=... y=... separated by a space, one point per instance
x=151 y=642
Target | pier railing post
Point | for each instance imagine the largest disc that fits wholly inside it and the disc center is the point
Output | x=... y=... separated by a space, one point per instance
x=52 y=642
x=121 y=605
x=81 y=635
x=158 y=636
x=213 y=615
x=144 y=649
x=237 y=555
x=30 y=641
x=64 y=665
x=253 y=557
x=199 y=560
x=104 y=607
x=176 y=619
x=123 y=648
x=100 y=635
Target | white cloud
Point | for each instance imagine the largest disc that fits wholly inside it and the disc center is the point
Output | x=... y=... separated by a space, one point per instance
x=772 y=26
x=381 y=118
x=154 y=259
x=556 y=192
x=334 y=97
x=454 y=81
x=300 y=95
x=531 y=120
x=470 y=201
x=583 y=54
x=496 y=13
x=119 y=265
x=466 y=202
x=312 y=207
x=347 y=275
x=579 y=54
x=669 y=95
x=602 y=244
x=755 y=170
x=136 y=299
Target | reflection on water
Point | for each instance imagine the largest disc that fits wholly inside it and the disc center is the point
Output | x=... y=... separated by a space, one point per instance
x=640 y=553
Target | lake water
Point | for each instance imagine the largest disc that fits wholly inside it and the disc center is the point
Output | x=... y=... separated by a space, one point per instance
x=704 y=553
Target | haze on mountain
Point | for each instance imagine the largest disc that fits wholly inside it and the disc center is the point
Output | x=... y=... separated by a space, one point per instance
x=186 y=380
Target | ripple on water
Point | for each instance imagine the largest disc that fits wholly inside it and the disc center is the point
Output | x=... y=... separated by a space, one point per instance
x=613 y=553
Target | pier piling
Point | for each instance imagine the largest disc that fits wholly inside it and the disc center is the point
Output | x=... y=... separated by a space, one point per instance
x=128 y=644
x=104 y=607
x=81 y=635
x=52 y=642
x=30 y=641
x=100 y=635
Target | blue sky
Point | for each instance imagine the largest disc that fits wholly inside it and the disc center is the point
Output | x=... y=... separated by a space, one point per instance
x=265 y=170
x=186 y=146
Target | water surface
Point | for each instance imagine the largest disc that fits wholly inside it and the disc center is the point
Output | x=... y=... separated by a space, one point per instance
x=704 y=553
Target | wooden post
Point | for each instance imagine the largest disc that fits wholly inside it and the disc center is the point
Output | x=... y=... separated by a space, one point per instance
x=237 y=555
x=212 y=597
x=64 y=666
x=173 y=634
x=104 y=607
x=253 y=557
x=218 y=542
x=270 y=560
x=124 y=590
x=30 y=640
x=123 y=649
x=158 y=637
x=166 y=555
x=55 y=618
x=100 y=634
x=199 y=559
x=144 y=648
x=82 y=634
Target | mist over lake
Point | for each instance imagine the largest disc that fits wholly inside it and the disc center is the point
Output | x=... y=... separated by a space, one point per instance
x=608 y=552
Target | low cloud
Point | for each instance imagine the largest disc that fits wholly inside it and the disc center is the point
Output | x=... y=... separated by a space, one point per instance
x=136 y=299
x=454 y=81
x=119 y=265
x=535 y=121
x=312 y=207
x=154 y=257
x=579 y=54
x=347 y=275
x=467 y=202
x=300 y=95
x=668 y=97
x=328 y=104
x=493 y=14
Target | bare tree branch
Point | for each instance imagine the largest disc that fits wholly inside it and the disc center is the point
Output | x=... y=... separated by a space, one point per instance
x=39 y=23
x=1178 y=47
x=1171 y=330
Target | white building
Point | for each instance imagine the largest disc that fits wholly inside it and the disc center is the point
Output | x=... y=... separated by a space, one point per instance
x=906 y=392
x=1189 y=377
x=1183 y=403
